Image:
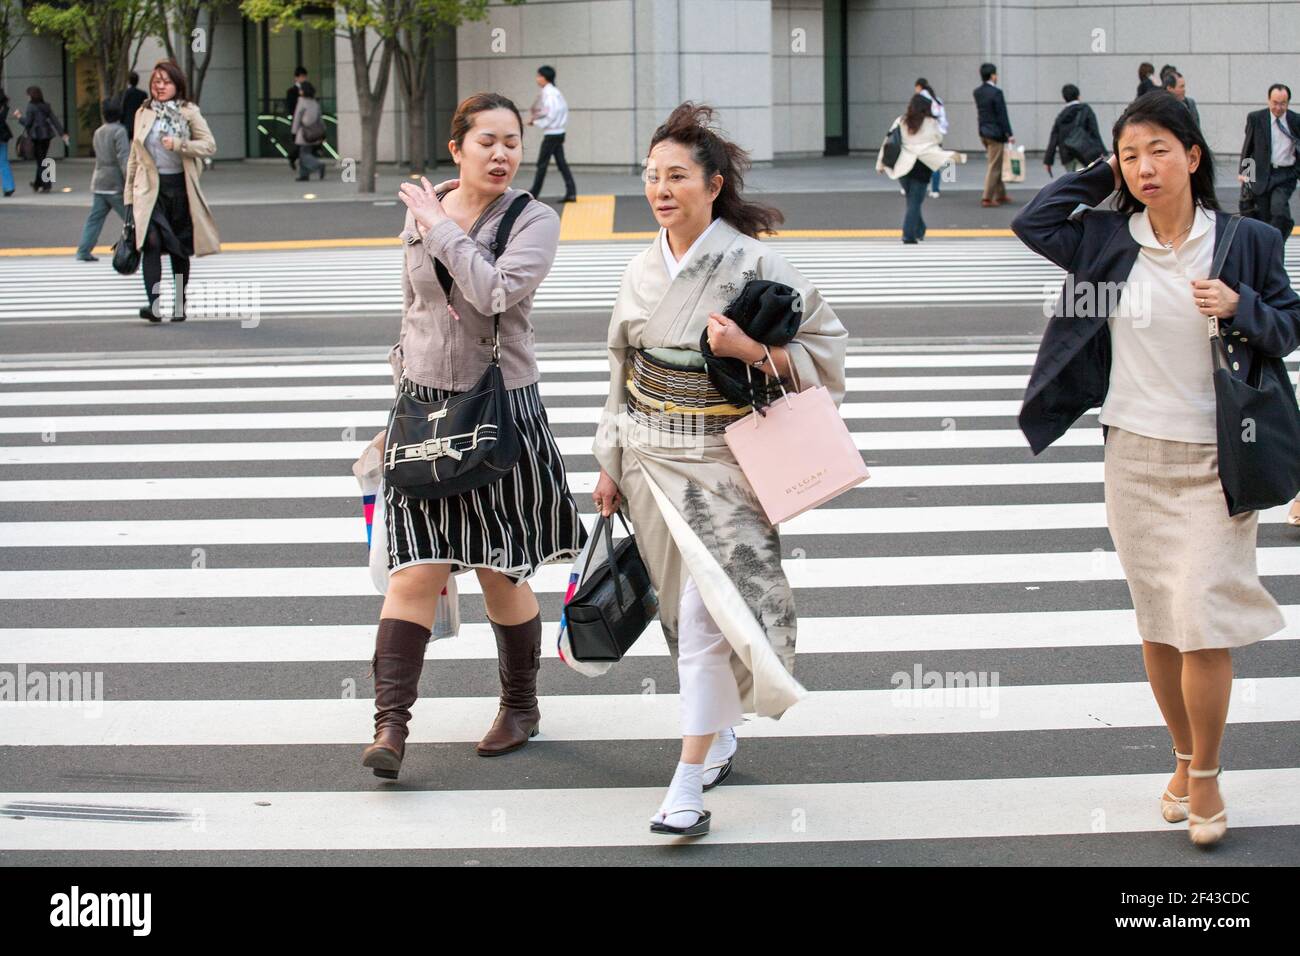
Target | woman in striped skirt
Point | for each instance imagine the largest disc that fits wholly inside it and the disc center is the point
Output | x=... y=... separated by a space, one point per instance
x=507 y=529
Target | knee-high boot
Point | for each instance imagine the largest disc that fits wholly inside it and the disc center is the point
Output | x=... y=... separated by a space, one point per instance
x=519 y=655
x=398 y=660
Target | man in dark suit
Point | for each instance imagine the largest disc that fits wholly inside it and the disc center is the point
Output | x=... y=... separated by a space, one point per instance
x=290 y=104
x=995 y=133
x=132 y=98
x=1176 y=84
x=1268 y=159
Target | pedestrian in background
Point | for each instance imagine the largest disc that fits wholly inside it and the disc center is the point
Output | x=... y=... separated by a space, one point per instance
x=995 y=133
x=1074 y=134
x=1145 y=83
x=162 y=186
x=306 y=126
x=1175 y=83
x=132 y=99
x=41 y=125
x=6 y=171
x=921 y=156
x=505 y=530
x=291 y=108
x=1270 y=149
x=940 y=115
x=550 y=111
x=112 y=154
x=1190 y=566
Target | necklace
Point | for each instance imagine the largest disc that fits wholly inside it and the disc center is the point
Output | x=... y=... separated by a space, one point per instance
x=1170 y=243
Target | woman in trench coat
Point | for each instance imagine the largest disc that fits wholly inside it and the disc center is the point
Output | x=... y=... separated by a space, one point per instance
x=170 y=141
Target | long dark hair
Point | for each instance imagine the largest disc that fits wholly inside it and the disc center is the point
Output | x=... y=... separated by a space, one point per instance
x=35 y=95
x=687 y=125
x=918 y=108
x=924 y=84
x=462 y=121
x=1158 y=108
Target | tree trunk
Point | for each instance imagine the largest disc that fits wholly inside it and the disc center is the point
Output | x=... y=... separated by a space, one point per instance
x=370 y=104
x=417 y=130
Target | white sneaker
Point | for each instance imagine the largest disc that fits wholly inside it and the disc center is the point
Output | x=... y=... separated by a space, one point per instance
x=722 y=754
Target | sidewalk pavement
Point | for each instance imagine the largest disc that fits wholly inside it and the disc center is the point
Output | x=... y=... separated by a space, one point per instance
x=258 y=182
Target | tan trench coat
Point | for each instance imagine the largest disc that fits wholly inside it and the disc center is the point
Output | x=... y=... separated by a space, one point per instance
x=142 y=177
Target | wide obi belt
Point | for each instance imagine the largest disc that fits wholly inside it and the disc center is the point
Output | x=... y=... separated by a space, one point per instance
x=676 y=399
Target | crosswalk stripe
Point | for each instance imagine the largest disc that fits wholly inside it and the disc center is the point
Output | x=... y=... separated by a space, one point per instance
x=107 y=584
x=618 y=817
x=339 y=486
x=906 y=633
x=825 y=521
x=983 y=708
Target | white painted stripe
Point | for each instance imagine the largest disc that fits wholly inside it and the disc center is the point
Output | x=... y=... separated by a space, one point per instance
x=548 y=367
x=857 y=572
x=384 y=391
x=904 y=633
x=618 y=817
x=825 y=521
x=341 y=486
x=580 y=717
x=54 y=453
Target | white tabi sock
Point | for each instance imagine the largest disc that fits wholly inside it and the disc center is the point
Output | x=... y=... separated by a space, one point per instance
x=684 y=803
x=721 y=750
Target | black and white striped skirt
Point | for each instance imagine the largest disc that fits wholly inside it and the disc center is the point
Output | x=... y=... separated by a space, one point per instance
x=514 y=525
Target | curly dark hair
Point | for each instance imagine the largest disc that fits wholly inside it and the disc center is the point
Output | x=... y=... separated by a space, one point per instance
x=688 y=125
x=1159 y=108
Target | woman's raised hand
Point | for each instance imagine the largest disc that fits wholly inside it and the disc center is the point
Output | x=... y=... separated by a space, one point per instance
x=423 y=203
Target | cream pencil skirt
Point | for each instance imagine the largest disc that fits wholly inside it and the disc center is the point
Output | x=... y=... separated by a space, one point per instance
x=1190 y=567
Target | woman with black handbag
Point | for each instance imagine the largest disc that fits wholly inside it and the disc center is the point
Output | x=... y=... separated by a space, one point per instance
x=170 y=142
x=725 y=604
x=476 y=249
x=1147 y=360
x=41 y=126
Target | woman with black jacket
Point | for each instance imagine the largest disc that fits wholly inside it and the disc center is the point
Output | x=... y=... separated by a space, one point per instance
x=42 y=125
x=1146 y=359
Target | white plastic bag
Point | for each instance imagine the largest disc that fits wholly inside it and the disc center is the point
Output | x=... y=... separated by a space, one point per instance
x=592 y=668
x=369 y=474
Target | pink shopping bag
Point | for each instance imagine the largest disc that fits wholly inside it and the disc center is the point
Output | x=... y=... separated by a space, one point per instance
x=798 y=455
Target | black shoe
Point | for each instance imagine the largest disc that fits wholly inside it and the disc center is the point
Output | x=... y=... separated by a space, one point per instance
x=146 y=312
x=569 y=199
x=9 y=192
x=301 y=179
x=87 y=258
x=178 y=318
x=698 y=828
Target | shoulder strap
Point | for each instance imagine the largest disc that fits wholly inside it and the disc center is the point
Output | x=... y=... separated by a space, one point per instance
x=1221 y=253
x=498 y=243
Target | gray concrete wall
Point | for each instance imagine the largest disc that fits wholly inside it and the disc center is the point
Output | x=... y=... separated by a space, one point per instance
x=1229 y=52
x=798 y=78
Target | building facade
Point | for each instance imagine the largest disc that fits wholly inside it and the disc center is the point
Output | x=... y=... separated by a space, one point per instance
x=790 y=78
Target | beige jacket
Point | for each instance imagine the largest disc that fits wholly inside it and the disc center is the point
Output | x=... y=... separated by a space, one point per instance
x=440 y=351
x=142 y=177
x=923 y=145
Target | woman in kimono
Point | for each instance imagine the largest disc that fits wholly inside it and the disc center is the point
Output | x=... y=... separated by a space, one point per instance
x=725 y=605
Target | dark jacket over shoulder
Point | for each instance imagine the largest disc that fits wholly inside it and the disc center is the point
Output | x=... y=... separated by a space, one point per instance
x=1074 y=114
x=1072 y=371
x=992 y=106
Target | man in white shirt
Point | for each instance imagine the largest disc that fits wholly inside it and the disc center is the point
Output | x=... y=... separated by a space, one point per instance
x=1268 y=159
x=550 y=112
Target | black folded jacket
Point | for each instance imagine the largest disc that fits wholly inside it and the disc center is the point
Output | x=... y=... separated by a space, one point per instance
x=768 y=312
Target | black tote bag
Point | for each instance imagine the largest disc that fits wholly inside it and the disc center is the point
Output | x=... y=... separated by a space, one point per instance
x=1258 y=422
x=614 y=604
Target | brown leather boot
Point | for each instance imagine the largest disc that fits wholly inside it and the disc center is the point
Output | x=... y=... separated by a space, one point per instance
x=398 y=660
x=519 y=657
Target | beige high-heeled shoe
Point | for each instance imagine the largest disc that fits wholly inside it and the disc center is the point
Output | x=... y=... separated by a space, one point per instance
x=1174 y=809
x=1206 y=831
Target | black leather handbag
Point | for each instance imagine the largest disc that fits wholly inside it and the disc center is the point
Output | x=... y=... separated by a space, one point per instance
x=614 y=604
x=892 y=147
x=126 y=257
x=446 y=448
x=1258 y=422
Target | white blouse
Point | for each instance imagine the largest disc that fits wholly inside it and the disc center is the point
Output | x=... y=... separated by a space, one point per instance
x=1161 y=373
